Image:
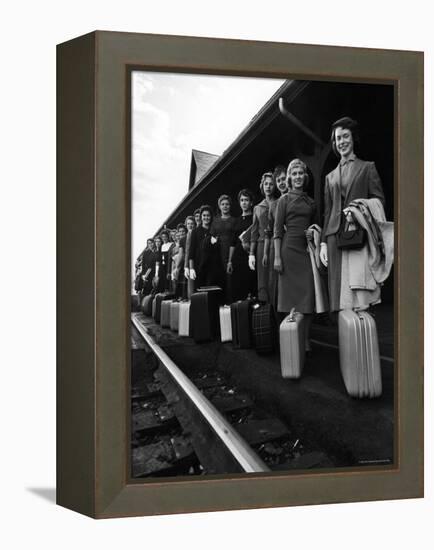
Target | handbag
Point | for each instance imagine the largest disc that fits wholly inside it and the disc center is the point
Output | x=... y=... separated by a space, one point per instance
x=351 y=236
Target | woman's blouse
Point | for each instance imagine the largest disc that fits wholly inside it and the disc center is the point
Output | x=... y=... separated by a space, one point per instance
x=223 y=229
x=199 y=246
x=260 y=221
x=296 y=211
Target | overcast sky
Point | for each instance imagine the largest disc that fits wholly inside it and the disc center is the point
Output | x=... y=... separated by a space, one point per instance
x=171 y=115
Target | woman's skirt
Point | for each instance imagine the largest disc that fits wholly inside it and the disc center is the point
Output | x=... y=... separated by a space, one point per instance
x=295 y=285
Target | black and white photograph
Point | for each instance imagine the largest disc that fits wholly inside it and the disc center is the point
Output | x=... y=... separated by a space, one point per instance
x=262 y=275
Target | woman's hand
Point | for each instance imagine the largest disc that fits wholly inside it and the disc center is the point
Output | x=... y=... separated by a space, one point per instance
x=265 y=260
x=229 y=268
x=252 y=262
x=186 y=273
x=348 y=215
x=192 y=274
x=213 y=240
x=278 y=265
x=323 y=254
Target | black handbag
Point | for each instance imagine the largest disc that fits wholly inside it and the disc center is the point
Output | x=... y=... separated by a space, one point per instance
x=350 y=239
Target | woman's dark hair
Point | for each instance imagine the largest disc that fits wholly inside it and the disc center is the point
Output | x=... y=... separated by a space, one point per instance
x=197 y=211
x=245 y=193
x=181 y=226
x=206 y=208
x=346 y=123
x=277 y=171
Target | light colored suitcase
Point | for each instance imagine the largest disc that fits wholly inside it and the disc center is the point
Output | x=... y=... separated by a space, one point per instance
x=292 y=345
x=165 y=313
x=184 y=319
x=225 y=323
x=359 y=354
x=174 y=315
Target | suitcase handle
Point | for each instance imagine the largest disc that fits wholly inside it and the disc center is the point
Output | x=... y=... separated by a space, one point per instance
x=292 y=315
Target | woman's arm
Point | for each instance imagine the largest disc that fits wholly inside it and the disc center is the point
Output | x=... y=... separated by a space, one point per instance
x=229 y=268
x=279 y=223
x=375 y=189
x=254 y=235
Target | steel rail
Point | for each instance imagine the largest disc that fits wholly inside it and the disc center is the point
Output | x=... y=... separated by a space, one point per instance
x=237 y=446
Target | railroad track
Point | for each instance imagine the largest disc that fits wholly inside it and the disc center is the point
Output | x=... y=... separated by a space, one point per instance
x=201 y=423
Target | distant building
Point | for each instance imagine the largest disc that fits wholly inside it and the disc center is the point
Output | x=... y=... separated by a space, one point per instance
x=201 y=162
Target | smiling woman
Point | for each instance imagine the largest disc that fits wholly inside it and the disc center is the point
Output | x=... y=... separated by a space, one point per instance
x=352 y=179
x=295 y=212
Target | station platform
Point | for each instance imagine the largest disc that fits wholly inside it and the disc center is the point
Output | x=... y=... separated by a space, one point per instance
x=353 y=432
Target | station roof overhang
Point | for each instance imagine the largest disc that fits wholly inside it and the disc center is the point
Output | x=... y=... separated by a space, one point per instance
x=295 y=122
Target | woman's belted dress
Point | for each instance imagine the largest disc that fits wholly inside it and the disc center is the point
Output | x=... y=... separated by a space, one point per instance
x=259 y=226
x=296 y=211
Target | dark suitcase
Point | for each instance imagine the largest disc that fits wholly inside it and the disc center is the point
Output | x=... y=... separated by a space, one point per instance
x=165 y=313
x=264 y=328
x=147 y=305
x=241 y=316
x=204 y=313
x=158 y=299
x=359 y=354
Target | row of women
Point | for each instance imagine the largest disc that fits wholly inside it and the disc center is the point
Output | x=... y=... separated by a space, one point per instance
x=276 y=249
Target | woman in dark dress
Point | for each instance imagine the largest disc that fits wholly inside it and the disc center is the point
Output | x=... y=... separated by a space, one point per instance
x=190 y=224
x=157 y=283
x=281 y=183
x=164 y=267
x=197 y=219
x=222 y=229
x=257 y=259
x=204 y=257
x=243 y=278
x=296 y=211
x=177 y=261
x=145 y=266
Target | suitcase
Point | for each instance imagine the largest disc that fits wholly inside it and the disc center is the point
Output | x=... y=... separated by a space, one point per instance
x=156 y=311
x=136 y=302
x=204 y=312
x=264 y=328
x=184 y=328
x=359 y=353
x=241 y=315
x=292 y=345
x=174 y=315
x=225 y=323
x=165 y=313
x=147 y=304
